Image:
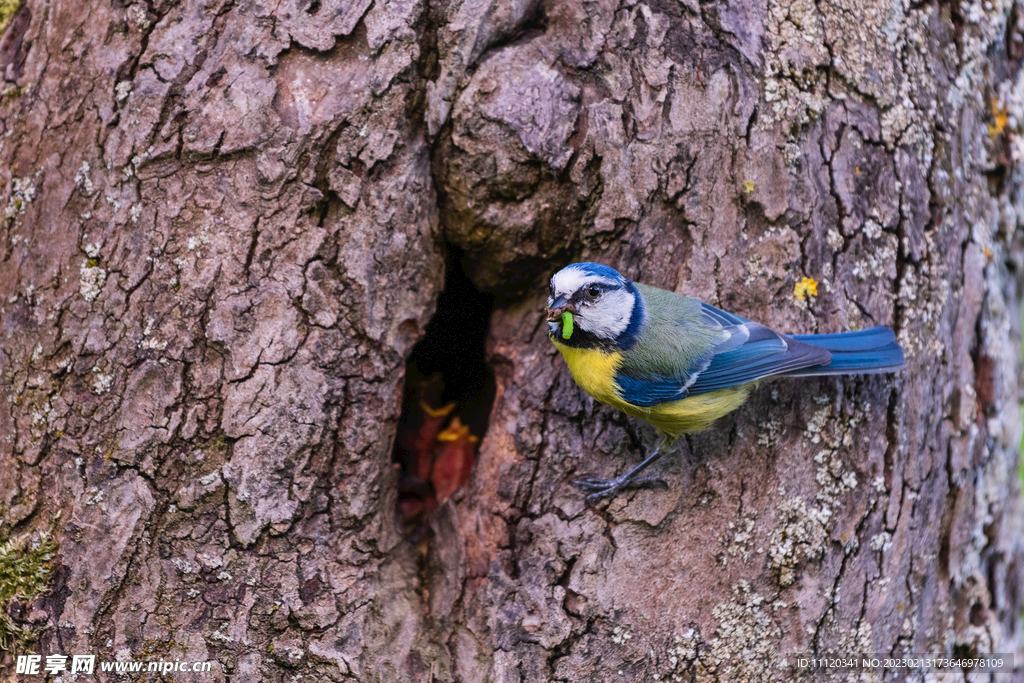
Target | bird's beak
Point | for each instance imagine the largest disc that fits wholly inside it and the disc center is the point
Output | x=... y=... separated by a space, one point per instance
x=558 y=307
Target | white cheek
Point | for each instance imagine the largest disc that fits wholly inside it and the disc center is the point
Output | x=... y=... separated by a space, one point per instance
x=553 y=328
x=609 y=317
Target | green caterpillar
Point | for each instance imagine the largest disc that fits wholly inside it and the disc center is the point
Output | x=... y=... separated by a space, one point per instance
x=566 y=325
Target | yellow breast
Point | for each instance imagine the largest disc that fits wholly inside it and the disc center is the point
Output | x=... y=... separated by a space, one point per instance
x=594 y=371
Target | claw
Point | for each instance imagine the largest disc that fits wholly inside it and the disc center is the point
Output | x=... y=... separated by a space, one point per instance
x=601 y=488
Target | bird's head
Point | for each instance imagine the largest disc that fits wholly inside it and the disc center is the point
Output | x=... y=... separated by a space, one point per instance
x=591 y=305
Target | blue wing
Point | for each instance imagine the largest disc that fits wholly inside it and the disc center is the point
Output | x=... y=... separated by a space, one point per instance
x=653 y=389
x=763 y=354
x=751 y=352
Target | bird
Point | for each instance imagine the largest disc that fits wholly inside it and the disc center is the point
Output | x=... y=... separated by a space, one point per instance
x=679 y=363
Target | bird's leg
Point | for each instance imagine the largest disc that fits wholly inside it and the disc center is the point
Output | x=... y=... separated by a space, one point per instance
x=599 y=488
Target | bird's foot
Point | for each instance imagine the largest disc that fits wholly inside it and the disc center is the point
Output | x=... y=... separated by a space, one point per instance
x=596 y=489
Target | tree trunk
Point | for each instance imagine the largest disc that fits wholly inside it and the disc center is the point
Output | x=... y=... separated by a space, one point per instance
x=227 y=226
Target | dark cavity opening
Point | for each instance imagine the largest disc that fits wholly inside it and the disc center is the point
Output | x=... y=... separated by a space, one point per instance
x=449 y=391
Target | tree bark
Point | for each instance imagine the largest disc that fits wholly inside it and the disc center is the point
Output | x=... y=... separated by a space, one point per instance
x=226 y=228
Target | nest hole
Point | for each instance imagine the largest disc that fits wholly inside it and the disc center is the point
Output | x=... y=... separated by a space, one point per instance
x=449 y=391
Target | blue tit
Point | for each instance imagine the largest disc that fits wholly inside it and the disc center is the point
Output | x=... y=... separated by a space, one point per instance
x=681 y=364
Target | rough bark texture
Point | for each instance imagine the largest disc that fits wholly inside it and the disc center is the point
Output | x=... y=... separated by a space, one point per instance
x=225 y=230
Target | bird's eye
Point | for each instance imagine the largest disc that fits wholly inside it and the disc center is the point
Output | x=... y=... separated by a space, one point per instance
x=593 y=290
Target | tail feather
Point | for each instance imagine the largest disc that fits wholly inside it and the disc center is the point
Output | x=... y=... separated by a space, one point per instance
x=869 y=351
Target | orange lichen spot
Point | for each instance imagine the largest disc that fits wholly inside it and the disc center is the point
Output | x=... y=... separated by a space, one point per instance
x=856 y=170
x=806 y=287
x=1000 y=118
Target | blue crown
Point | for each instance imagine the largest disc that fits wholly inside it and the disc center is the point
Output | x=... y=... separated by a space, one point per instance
x=599 y=269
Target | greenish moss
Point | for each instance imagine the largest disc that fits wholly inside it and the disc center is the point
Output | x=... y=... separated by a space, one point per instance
x=7 y=10
x=217 y=444
x=25 y=572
